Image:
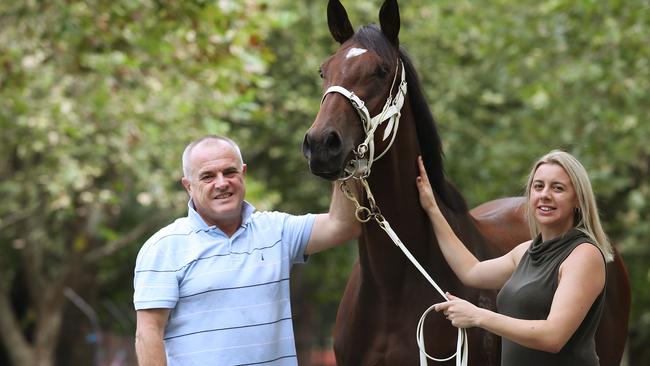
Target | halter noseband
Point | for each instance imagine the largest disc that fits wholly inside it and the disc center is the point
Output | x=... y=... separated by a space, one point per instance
x=361 y=164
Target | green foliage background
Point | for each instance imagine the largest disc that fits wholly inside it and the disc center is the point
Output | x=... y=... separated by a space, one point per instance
x=98 y=99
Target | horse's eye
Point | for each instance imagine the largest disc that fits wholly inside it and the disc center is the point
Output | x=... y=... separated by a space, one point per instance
x=320 y=72
x=382 y=72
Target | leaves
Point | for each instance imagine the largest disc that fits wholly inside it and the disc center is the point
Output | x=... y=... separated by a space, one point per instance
x=97 y=102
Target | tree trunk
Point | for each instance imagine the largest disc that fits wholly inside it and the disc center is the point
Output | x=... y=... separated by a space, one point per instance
x=18 y=349
x=47 y=331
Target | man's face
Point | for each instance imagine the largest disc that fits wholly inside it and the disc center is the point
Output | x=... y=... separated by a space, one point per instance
x=216 y=183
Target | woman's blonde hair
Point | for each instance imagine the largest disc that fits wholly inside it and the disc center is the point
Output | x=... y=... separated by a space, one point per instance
x=586 y=217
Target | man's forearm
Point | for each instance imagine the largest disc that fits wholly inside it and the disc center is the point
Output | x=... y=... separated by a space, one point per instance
x=336 y=226
x=150 y=350
x=342 y=209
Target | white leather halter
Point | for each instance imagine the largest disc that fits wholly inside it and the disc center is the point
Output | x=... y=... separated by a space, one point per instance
x=361 y=165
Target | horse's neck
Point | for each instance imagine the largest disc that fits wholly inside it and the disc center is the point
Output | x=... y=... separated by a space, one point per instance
x=392 y=182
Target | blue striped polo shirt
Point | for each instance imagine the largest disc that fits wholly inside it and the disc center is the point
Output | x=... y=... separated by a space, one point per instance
x=229 y=296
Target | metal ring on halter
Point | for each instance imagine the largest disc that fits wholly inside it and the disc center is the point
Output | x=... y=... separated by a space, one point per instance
x=362 y=149
x=360 y=211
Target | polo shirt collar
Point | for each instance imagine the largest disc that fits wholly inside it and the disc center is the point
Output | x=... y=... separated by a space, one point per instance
x=199 y=225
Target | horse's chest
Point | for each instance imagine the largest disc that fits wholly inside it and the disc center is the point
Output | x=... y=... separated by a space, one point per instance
x=382 y=354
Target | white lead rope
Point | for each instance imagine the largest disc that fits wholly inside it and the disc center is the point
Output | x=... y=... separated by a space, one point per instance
x=462 y=346
x=364 y=214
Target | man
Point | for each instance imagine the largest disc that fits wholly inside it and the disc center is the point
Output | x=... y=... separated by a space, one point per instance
x=212 y=288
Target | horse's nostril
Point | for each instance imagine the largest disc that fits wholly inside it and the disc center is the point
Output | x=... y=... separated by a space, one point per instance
x=333 y=142
x=306 y=148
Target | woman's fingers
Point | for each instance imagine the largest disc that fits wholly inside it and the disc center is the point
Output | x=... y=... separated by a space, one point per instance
x=423 y=172
x=458 y=311
x=441 y=306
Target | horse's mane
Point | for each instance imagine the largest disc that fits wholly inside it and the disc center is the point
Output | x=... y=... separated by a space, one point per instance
x=371 y=37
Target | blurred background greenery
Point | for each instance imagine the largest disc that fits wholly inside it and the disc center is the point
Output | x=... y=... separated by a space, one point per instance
x=99 y=98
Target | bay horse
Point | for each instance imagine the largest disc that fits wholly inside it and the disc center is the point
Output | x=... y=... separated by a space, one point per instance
x=385 y=294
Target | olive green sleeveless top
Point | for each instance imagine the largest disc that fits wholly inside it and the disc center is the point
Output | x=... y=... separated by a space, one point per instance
x=528 y=294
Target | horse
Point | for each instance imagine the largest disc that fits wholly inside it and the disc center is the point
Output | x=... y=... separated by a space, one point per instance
x=385 y=294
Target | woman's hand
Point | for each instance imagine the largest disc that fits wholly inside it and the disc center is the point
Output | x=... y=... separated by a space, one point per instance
x=461 y=313
x=427 y=200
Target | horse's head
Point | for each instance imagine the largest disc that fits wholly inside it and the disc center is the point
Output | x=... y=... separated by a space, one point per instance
x=365 y=70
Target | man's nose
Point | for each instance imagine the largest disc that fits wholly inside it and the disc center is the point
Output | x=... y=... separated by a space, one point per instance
x=220 y=182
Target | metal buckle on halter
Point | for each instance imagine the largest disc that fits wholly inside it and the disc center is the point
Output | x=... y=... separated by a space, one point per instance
x=362 y=168
x=403 y=87
x=357 y=168
x=356 y=101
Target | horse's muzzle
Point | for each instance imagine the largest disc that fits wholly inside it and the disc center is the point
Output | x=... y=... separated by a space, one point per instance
x=325 y=154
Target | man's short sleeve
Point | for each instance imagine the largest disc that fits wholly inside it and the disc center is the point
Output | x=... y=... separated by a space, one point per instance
x=155 y=279
x=296 y=231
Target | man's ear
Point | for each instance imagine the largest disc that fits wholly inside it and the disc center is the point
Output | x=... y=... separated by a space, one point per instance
x=244 y=167
x=186 y=184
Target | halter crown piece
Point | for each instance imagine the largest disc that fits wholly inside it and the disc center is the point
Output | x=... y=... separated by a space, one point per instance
x=360 y=166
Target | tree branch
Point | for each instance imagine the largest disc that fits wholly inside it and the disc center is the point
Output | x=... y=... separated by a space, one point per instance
x=32 y=261
x=17 y=217
x=117 y=244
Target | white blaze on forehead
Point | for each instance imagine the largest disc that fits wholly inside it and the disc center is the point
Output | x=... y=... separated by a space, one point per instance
x=354 y=52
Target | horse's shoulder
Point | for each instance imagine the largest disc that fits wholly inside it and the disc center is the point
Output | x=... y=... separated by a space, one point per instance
x=502 y=222
x=511 y=207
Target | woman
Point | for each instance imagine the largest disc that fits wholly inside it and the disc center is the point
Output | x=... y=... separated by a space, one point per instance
x=551 y=288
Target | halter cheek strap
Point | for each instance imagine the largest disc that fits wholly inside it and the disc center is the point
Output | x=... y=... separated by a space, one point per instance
x=360 y=167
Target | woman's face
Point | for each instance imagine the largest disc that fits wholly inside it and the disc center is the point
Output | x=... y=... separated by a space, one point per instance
x=553 y=200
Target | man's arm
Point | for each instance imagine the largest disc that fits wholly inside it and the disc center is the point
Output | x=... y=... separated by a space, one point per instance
x=339 y=224
x=149 y=345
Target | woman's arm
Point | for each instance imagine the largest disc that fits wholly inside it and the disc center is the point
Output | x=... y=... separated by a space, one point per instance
x=490 y=274
x=581 y=280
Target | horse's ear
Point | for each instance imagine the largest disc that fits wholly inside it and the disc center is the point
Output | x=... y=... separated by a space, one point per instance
x=389 y=21
x=338 y=21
